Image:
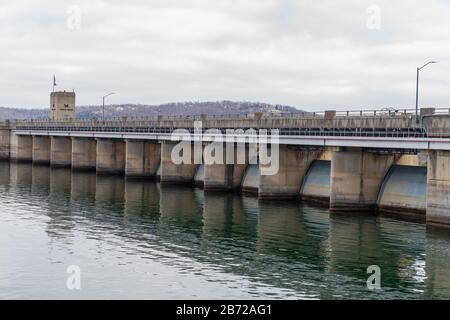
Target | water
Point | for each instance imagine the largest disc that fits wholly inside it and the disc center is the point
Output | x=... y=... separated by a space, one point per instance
x=141 y=240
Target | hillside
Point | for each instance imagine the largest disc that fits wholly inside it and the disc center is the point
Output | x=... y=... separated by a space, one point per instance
x=139 y=110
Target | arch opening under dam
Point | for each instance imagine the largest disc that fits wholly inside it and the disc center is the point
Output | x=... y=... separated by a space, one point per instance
x=316 y=184
x=251 y=180
x=404 y=192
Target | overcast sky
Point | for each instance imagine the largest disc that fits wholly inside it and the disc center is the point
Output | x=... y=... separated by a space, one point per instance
x=309 y=54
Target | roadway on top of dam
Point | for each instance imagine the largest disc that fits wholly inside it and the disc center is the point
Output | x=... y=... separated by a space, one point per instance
x=392 y=139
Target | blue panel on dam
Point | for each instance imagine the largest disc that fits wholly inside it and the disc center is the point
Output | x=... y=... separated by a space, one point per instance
x=404 y=190
x=158 y=172
x=251 y=178
x=199 y=177
x=316 y=184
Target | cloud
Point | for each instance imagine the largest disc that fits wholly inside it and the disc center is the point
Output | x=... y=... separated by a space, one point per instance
x=309 y=54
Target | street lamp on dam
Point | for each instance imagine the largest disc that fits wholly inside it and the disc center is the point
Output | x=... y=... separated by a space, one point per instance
x=103 y=108
x=417 y=88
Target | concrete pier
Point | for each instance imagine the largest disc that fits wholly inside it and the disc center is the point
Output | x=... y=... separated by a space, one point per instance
x=142 y=159
x=356 y=178
x=223 y=176
x=218 y=177
x=175 y=173
x=5 y=141
x=41 y=150
x=293 y=165
x=84 y=154
x=21 y=148
x=110 y=156
x=199 y=177
x=438 y=188
x=61 y=152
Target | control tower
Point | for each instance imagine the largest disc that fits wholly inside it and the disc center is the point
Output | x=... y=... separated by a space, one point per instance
x=62 y=105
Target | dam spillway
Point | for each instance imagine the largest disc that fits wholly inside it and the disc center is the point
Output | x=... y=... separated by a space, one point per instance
x=351 y=163
x=316 y=185
x=404 y=191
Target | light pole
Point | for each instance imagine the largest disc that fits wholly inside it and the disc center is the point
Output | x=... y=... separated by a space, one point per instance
x=103 y=109
x=417 y=88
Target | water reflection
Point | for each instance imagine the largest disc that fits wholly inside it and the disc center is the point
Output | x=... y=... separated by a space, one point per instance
x=179 y=208
x=58 y=209
x=83 y=188
x=248 y=247
x=40 y=180
x=110 y=192
x=141 y=198
x=436 y=265
x=20 y=175
x=4 y=174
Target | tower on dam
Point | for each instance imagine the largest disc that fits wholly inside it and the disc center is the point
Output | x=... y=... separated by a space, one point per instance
x=62 y=105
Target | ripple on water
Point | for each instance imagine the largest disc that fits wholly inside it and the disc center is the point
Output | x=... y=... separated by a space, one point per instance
x=140 y=240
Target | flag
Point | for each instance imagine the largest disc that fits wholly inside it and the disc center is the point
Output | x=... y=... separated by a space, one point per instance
x=54 y=80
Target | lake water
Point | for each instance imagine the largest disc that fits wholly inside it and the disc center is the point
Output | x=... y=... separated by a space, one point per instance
x=138 y=239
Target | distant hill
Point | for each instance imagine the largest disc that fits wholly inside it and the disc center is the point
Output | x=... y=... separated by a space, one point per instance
x=140 y=110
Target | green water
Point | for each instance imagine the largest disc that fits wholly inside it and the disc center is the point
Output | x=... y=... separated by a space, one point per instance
x=137 y=239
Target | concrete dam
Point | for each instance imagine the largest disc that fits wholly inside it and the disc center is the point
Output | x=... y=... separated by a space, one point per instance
x=351 y=162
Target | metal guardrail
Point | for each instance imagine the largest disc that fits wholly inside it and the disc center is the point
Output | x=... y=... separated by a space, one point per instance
x=347 y=132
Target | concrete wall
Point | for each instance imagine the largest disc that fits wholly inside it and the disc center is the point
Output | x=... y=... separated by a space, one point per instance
x=41 y=149
x=224 y=176
x=356 y=178
x=327 y=153
x=5 y=140
x=418 y=160
x=398 y=121
x=61 y=152
x=13 y=140
x=175 y=173
x=84 y=154
x=404 y=191
x=293 y=165
x=21 y=148
x=438 y=188
x=316 y=184
x=434 y=123
x=437 y=124
x=110 y=156
x=142 y=159
x=218 y=177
